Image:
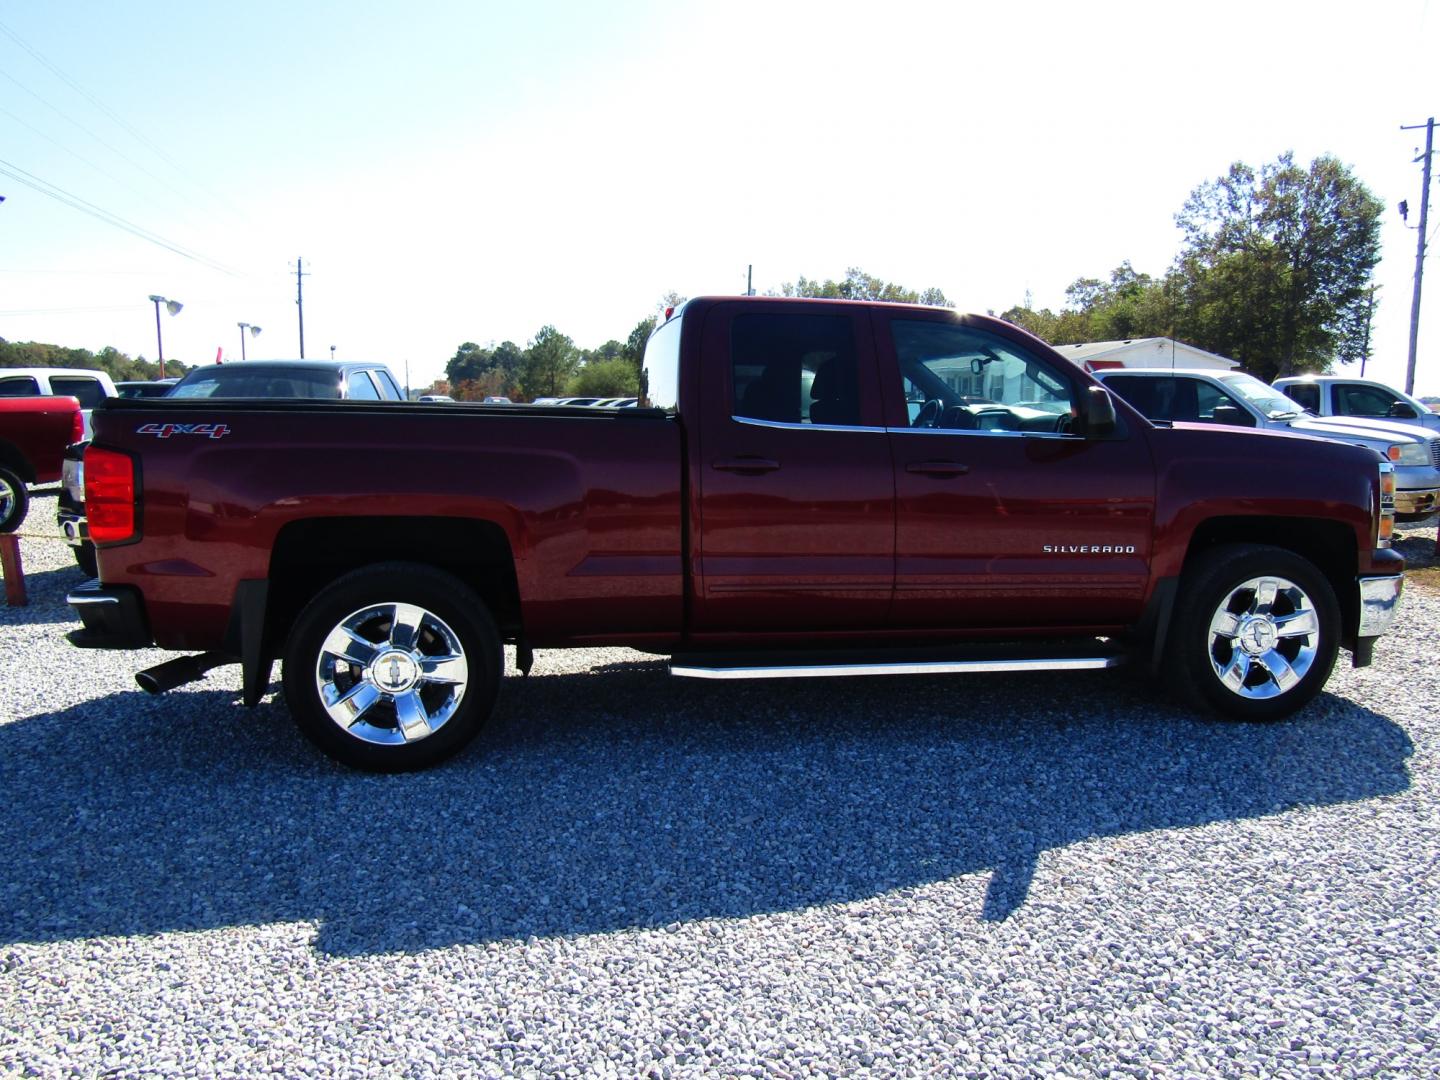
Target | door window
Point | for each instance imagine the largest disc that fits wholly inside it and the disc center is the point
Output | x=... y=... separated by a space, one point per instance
x=963 y=378
x=1362 y=401
x=88 y=391
x=19 y=386
x=795 y=369
x=361 y=388
x=1306 y=395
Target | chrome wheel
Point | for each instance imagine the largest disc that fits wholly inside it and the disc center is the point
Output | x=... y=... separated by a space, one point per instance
x=391 y=674
x=1264 y=637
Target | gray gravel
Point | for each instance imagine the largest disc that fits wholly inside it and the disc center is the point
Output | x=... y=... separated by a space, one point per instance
x=630 y=875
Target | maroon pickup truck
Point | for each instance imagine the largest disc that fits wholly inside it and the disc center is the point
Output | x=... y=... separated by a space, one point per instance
x=811 y=488
x=34 y=432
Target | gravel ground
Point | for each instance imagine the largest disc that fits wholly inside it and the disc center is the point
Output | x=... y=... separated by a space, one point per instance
x=629 y=875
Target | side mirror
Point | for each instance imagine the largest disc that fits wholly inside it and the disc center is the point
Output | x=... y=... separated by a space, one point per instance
x=1099 y=413
x=1401 y=411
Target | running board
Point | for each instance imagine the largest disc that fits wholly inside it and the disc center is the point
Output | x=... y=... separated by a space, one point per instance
x=1013 y=657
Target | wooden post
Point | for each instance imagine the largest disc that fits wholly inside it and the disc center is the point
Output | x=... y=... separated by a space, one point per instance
x=14 y=573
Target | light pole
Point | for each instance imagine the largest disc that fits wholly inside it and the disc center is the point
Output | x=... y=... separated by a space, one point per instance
x=172 y=306
x=332 y=352
x=254 y=332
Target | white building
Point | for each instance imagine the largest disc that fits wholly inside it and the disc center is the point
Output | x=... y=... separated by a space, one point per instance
x=1150 y=352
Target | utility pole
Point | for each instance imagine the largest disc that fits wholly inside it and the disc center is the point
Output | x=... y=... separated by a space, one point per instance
x=1429 y=127
x=750 y=280
x=300 y=300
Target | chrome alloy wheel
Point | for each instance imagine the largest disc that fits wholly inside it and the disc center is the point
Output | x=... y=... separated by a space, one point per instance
x=1264 y=637
x=391 y=673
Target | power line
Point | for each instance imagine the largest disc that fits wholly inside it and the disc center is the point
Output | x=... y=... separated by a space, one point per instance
x=75 y=202
x=115 y=118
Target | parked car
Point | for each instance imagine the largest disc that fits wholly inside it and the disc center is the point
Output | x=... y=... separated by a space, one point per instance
x=87 y=386
x=1341 y=395
x=385 y=556
x=324 y=379
x=145 y=389
x=33 y=435
x=435 y=397
x=310 y=379
x=1233 y=398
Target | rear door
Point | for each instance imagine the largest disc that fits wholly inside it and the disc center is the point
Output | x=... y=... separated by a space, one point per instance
x=1006 y=514
x=796 y=493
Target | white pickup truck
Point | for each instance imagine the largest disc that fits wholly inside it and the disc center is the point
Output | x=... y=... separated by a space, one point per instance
x=1209 y=396
x=1342 y=396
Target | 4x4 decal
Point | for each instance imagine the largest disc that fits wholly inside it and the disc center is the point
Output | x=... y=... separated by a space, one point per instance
x=164 y=431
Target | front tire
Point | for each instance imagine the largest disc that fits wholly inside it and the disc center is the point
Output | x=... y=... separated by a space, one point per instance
x=14 y=501
x=1255 y=633
x=393 y=667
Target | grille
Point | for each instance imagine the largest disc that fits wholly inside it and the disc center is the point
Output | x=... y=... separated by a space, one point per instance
x=1435 y=452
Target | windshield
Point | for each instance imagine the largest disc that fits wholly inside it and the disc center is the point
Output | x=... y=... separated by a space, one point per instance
x=1267 y=399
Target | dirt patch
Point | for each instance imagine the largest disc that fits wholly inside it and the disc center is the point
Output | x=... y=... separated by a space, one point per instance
x=1422 y=565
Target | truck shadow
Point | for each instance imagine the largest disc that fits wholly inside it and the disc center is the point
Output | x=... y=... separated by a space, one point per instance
x=623 y=798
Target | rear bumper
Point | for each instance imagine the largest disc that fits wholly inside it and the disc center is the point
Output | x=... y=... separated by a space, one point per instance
x=111 y=617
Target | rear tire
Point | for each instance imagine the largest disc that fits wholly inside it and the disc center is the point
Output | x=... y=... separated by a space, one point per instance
x=14 y=501
x=1255 y=633
x=393 y=667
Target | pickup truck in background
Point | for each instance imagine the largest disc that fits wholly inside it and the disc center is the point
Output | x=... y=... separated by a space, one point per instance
x=810 y=488
x=1233 y=398
x=34 y=432
x=1343 y=396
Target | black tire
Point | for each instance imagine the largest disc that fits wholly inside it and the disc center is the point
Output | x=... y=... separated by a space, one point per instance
x=14 y=501
x=1245 y=656
x=381 y=689
x=85 y=559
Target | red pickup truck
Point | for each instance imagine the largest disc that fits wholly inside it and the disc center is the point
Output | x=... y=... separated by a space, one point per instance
x=810 y=488
x=34 y=432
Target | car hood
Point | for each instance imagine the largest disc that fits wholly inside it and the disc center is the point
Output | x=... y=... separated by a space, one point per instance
x=1334 y=427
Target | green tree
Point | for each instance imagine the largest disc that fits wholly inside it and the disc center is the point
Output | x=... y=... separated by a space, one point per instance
x=1277 y=265
x=858 y=285
x=615 y=377
x=469 y=363
x=548 y=364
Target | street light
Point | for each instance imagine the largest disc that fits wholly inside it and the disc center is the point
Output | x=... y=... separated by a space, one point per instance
x=254 y=332
x=172 y=306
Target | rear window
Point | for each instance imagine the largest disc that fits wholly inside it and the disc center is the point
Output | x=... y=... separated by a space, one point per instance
x=239 y=383
x=661 y=374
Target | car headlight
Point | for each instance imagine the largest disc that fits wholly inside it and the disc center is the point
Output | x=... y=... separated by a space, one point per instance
x=1409 y=454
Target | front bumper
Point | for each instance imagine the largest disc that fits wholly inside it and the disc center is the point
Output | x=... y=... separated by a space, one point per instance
x=1417 y=501
x=111 y=617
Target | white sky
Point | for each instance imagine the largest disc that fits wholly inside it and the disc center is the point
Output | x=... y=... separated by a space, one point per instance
x=454 y=171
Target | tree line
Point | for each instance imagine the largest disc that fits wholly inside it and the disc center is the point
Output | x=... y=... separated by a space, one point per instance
x=1275 y=272
x=116 y=364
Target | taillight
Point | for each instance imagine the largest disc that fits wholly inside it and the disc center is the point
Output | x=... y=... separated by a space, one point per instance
x=109 y=495
x=77 y=427
x=1385 y=525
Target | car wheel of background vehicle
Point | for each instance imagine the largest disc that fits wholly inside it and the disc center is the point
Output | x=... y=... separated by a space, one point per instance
x=85 y=558
x=14 y=501
x=393 y=667
x=1256 y=632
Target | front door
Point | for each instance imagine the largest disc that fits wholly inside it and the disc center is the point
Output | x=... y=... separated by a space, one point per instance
x=1007 y=515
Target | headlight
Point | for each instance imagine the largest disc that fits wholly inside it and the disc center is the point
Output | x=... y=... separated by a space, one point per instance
x=1409 y=454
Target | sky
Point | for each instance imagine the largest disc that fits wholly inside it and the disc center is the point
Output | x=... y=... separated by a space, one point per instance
x=460 y=170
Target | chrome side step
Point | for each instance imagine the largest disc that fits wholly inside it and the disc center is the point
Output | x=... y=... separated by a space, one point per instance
x=1098 y=656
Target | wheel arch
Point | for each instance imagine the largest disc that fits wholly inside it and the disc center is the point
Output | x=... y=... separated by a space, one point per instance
x=1330 y=545
x=311 y=553
x=12 y=458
